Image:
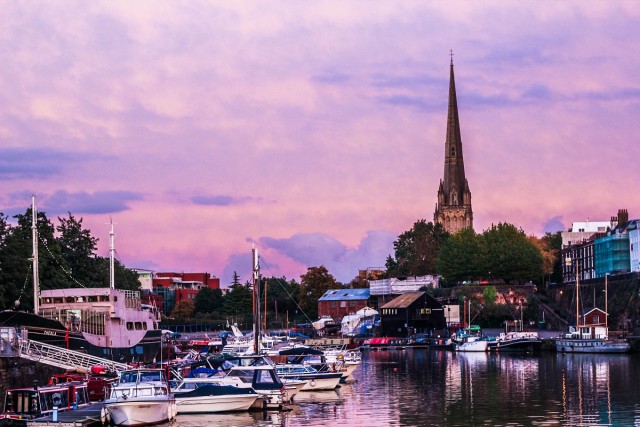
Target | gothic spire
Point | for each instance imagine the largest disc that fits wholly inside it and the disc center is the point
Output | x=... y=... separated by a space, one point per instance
x=453 y=208
x=454 y=177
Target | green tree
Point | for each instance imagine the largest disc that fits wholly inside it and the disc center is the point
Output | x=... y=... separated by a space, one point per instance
x=236 y=279
x=208 y=300
x=416 y=250
x=16 y=265
x=489 y=295
x=463 y=257
x=238 y=303
x=314 y=283
x=282 y=300
x=183 y=310
x=511 y=256
x=78 y=248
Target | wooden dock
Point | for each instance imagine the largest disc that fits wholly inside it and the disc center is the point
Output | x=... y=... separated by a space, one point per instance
x=87 y=416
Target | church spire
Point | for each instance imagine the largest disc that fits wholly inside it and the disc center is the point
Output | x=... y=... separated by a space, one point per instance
x=453 y=209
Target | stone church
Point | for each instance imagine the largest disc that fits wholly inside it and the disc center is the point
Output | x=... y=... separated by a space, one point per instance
x=453 y=209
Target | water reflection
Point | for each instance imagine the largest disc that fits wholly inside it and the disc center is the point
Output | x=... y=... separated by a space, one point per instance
x=441 y=388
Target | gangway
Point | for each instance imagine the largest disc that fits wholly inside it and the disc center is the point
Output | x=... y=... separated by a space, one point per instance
x=63 y=358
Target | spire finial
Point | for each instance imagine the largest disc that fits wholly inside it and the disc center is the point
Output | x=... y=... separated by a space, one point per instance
x=451 y=55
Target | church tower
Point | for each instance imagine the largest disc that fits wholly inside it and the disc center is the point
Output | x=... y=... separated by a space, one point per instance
x=453 y=209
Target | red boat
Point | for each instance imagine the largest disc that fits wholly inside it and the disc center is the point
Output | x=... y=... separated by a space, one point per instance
x=98 y=381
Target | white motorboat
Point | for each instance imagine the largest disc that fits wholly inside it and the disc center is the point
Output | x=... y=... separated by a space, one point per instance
x=202 y=395
x=315 y=379
x=472 y=343
x=141 y=397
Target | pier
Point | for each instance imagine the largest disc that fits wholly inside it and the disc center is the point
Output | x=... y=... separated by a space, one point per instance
x=88 y=416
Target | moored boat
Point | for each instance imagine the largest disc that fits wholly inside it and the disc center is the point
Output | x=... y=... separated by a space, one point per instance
x=201 y=395
x=141 y=397
x=105 y=322
x=35 y=402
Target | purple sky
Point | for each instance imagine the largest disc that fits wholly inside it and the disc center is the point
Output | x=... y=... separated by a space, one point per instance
x=314 y=129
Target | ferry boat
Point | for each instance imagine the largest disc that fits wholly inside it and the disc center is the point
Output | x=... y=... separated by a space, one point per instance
x=109 y=323
x=35 y=402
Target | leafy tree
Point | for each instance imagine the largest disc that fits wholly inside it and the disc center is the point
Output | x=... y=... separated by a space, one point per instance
x=554 y=245
x=282 y=295
x=314 y=283
x=183 y=310
x=239 y=304
x=208 y=300
x=489 y=295
x=416 y=250
x=78 y=249
x=463 y=256
x=510 y=254
x=15 y=260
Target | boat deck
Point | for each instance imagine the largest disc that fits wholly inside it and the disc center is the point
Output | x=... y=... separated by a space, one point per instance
x=87 y=416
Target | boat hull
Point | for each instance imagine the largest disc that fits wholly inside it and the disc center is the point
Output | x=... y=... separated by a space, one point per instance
x=53 y=332
x=212 y=404
x=315 y=384
x=474 y=346
x=141 y=412
x=565 y=345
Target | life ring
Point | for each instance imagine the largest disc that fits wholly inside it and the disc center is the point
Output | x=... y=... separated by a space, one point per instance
x=340 y=357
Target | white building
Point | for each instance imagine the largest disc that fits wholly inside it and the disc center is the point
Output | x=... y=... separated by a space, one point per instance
x=634 y=249
x=581 y=231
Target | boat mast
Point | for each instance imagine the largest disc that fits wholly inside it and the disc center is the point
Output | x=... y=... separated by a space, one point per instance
x=256 y=300
x=34 y=258
x=112 y=250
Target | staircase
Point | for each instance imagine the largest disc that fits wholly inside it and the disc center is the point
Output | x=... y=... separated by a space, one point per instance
x=63 y=358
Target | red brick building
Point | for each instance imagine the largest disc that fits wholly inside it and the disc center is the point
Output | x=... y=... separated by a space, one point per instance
x=337 y=303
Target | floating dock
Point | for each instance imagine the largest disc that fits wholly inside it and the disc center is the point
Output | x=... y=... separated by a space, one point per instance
x=87 y=416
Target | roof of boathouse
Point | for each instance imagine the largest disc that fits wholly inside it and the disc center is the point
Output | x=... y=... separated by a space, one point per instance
x=345 y=294
x=404 y=300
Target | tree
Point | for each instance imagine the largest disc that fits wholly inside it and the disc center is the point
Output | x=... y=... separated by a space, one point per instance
x=236 y=279
x=208 y=300
x=239 y=304
x=314 y=283
x=282 y=295
x=463 y=257
x=510 y=254
x=416 y=250
x=183 y=310
x=78 y=250
x=16 y=265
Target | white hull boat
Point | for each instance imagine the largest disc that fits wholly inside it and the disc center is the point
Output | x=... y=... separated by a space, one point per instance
x=141 y=397
x=471 y=344
x=140 y=412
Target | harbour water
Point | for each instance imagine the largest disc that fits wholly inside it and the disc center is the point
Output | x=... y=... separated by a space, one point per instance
x=441 y=388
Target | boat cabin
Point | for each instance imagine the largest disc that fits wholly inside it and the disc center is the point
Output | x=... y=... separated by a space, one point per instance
x=592 y=325
x=35 y=402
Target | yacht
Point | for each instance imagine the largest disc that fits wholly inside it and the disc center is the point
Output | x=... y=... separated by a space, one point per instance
x=141 y=397
x=203 y=395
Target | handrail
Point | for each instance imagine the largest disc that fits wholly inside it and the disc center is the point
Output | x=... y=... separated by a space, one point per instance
x=63 y=358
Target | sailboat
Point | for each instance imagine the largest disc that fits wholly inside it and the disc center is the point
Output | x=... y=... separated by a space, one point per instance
x=590 y=335
x=104 y=322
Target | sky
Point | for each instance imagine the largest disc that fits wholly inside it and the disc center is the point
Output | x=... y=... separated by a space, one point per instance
x=313 y=131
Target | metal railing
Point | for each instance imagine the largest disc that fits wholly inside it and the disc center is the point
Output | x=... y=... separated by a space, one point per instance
x=63 y=358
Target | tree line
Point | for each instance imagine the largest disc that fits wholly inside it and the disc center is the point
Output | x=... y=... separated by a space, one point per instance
x=67 y=258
